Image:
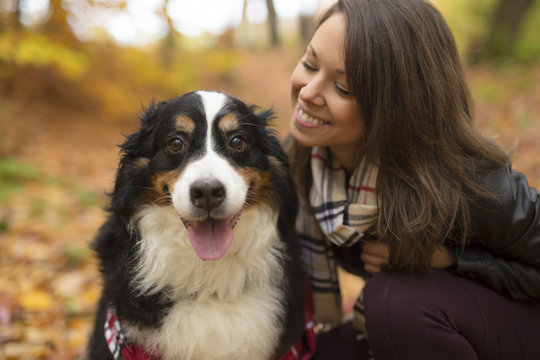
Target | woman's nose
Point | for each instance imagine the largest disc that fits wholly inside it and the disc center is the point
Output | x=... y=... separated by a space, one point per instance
x=312 y=92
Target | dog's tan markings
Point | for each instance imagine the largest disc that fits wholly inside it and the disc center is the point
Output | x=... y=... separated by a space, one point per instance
x=260 y=187
x=162 y=184
x=140 y=163
x=185 y=124
x=228 y=123
x=275 y=163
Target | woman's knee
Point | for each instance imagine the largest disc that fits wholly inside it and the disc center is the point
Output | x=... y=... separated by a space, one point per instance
x=397 y=302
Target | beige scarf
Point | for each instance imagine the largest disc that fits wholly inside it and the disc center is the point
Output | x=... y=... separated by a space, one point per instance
x=342 y=214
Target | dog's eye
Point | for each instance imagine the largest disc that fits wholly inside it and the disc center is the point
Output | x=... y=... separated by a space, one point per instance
x=238 y=143
x=176 y=145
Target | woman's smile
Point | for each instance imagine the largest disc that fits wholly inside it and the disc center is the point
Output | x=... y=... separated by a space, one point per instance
x=307 y=120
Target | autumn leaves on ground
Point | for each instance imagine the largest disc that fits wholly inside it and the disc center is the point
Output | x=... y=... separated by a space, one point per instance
x=58 y=137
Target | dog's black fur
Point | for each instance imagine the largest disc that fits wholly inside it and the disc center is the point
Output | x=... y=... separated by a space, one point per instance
x=149 y=167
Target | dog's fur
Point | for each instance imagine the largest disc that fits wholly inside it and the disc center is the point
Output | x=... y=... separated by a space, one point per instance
x=198 y=158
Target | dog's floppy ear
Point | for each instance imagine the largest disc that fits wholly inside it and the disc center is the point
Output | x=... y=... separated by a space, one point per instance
x=263 y=116
x=268 y=133
x=133 y=172
x=138 y=143
x=149 y=116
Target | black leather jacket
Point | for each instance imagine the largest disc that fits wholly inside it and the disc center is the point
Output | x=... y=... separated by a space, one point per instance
x=504 y=250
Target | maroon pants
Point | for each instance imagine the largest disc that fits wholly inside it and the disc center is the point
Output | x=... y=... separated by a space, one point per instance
x=440 y=315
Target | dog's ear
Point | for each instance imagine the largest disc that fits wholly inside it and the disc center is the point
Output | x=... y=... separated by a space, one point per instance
x=138 y=144
x=264 y=117
x=149 y=116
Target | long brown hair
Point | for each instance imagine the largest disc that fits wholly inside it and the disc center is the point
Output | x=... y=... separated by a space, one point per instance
x=403 y=69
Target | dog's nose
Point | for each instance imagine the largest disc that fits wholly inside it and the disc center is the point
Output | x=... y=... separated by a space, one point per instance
x=207 y=194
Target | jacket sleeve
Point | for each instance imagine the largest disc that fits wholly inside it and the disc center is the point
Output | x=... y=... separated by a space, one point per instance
x=504 y=251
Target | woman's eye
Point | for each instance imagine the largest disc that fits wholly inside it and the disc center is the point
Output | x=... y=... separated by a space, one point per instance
x=238 y=143
x=342 y=91
x=176 y=145
x=308 y=67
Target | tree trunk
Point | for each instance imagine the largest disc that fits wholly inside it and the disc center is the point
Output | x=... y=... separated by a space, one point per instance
x=10 y=16
x=57 y=27
x=306 y=28
x=168 y=49
x=272 y=22
x=505 y=26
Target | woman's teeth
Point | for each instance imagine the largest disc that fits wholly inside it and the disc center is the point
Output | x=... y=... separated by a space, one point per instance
x=308 y=119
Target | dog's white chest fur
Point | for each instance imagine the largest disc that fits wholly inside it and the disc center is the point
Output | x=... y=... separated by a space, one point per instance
x=225 y=309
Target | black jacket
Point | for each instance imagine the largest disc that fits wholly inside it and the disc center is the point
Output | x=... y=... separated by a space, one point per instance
x=504 y=248
x=503 y=251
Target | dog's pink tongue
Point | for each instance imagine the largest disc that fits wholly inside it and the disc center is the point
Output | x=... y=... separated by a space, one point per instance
x=211 y=238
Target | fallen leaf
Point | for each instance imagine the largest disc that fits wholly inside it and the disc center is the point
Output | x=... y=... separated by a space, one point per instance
x=35 y=300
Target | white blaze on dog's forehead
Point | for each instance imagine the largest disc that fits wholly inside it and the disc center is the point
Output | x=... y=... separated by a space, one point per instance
x=212 y=102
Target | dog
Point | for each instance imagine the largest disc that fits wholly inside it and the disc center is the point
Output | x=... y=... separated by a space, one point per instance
x=198 y=254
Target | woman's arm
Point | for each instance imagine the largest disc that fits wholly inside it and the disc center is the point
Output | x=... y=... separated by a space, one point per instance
x=504 y=252
x=375 y=256
x=515 y=279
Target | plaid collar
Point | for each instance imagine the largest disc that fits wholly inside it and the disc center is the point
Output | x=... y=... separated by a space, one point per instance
x=119 y=347
x=122 y=349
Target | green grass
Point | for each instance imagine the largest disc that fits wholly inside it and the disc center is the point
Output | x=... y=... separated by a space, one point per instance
x=14 y=173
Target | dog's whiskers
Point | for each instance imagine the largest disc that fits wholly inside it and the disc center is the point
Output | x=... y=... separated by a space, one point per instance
x=164 y=198
x=138 y=187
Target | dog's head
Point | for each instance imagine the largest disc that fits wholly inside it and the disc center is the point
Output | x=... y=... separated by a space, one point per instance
x=208 y=156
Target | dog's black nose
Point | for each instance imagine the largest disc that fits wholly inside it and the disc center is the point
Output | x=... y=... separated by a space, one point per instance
x=207 y=194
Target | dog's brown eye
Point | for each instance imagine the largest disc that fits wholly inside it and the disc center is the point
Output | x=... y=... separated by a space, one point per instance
x=176 y=145
x=238 y=143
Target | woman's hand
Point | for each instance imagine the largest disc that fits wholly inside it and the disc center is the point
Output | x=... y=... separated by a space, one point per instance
x=442 y=258
x=376 y=255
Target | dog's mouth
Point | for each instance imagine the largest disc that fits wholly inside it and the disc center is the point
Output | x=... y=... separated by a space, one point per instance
x=211 y=237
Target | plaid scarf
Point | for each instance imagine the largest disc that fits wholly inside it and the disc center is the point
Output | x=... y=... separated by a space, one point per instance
x=341 y=214
x=121 y=349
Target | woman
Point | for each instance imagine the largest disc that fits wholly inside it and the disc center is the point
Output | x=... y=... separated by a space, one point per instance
x=400 y=188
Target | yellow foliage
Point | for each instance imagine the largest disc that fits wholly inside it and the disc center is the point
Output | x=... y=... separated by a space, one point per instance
x=221 y=61
x=41 y=51
x=467 y=19
x=113 y=82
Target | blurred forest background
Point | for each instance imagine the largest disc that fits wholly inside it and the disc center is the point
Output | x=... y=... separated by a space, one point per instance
x=75 y=75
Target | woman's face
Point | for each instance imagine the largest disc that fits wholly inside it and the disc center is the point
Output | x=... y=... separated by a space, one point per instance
x=325 y=113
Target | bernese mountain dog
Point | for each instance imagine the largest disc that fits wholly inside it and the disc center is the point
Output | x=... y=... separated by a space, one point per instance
x=198 y=254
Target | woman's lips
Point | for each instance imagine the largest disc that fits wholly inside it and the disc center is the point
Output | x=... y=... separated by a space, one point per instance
x=307 y=120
